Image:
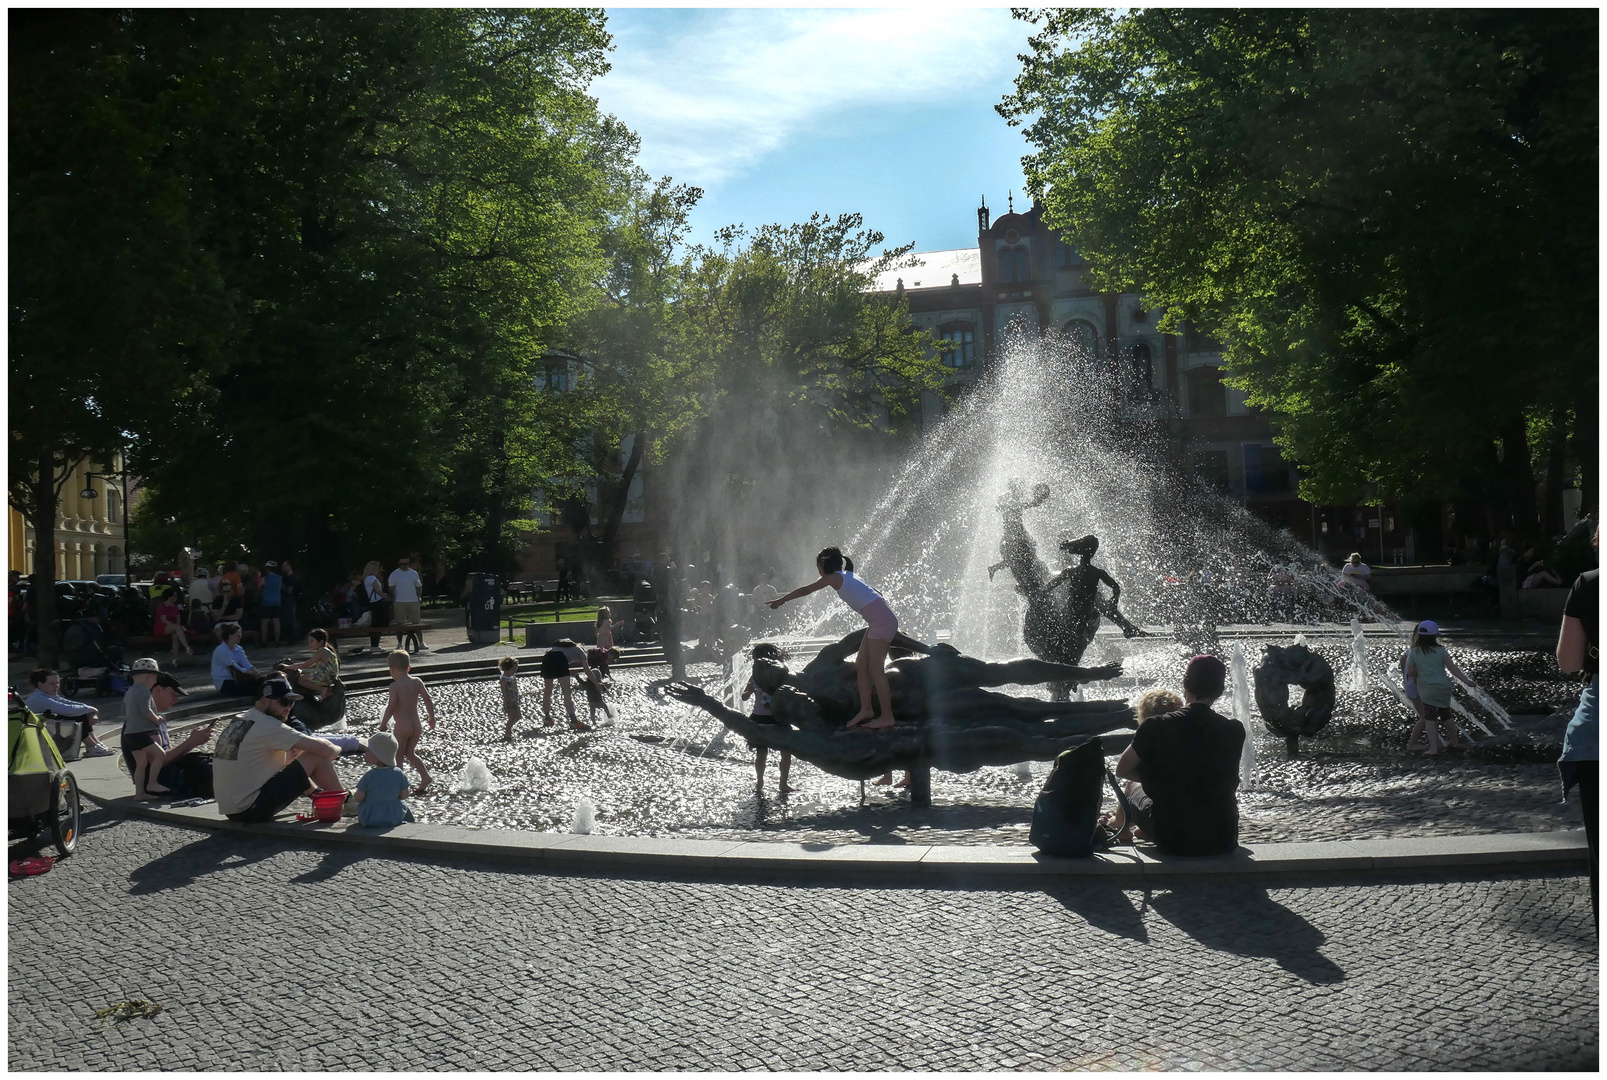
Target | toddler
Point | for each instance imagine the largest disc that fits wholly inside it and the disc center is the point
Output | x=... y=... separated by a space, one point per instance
x=508 y=683
x=761 y=715
x=1153 y=703
x=605 y=651
x=406 y=692
x=380 y=792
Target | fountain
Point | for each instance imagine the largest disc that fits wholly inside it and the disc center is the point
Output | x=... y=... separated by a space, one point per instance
x=1086 y=461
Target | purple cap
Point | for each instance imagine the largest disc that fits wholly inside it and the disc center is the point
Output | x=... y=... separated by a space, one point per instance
x=1205 y=671
x=1428 y=626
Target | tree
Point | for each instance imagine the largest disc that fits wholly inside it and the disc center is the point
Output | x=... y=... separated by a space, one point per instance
x=118 y=313
x=1389 y=216
x=633 y=392
x=794 y=365
x=407 y=203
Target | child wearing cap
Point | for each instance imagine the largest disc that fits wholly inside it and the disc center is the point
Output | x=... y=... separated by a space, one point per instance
x=143 y=730
x=1429 y=665
x=380 y=792
x=508 y=684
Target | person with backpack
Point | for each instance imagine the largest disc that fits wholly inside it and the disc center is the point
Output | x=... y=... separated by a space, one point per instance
x=1578 y=650
x=373 y=594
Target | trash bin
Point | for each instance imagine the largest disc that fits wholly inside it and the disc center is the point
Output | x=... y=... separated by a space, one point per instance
x=644 y=612
x=484 y=609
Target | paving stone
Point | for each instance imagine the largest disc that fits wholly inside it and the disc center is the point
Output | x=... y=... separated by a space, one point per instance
x=529 y=970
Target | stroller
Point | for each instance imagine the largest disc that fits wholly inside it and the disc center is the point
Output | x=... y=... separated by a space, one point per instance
x=92 y=657
x=44 y=793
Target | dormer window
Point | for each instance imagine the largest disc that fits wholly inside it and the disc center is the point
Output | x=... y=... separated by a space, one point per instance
x=1013 y=264
x=558 y=378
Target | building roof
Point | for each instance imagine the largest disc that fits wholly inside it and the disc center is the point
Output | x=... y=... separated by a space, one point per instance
x=934 y=270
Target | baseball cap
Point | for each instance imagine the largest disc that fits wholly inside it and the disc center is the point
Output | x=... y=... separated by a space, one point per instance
x=1428 y=626
x=146 y=665
x=382 y=744
x=279 y=690
x=169 y=681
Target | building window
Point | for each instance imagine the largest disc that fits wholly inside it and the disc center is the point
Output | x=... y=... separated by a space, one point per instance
x=112 y=508
x=1013 y=264
x=1207 y=395
x=962 y=342
x=1084 y=337
x=1264 y=468
x=558 y=380
x=1140 y=373
x=1211 y=466
x=1065 y=254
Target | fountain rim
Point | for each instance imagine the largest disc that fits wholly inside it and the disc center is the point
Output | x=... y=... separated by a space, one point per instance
x=937 y=865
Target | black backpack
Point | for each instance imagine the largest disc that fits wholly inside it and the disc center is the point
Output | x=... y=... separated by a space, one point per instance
x=189 y=777
x=1067 y=810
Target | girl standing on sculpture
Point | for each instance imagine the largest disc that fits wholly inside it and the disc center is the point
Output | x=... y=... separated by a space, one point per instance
x=837 y=570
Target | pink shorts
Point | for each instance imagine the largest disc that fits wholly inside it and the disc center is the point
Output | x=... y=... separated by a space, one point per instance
x=883 y=623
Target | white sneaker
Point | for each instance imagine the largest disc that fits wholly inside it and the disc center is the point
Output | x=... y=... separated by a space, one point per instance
x=97 y=750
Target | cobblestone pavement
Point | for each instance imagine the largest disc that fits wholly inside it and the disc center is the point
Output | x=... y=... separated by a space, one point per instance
x=270 y=957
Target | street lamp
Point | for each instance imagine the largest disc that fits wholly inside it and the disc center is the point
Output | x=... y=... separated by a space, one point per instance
x=89 y=491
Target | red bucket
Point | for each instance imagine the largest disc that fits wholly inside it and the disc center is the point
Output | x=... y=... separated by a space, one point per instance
x=326 y=806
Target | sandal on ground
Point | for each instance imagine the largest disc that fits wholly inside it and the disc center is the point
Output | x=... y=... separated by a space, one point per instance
x=881 y=723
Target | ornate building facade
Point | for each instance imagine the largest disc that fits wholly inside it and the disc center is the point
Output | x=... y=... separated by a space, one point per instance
x=91 y=536
x=1020 y=272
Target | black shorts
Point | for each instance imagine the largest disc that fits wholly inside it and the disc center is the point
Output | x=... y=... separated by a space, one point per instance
x=554 y=665
x=138 y=740
x=279 y=792
x=266 y=612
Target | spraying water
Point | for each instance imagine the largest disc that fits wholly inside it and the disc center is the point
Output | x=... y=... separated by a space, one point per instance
x=1241 y=710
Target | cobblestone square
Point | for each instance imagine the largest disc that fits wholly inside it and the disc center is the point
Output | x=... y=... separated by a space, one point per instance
x=272 y=957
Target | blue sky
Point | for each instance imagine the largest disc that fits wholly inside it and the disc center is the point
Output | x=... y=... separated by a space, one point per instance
x=778 y=112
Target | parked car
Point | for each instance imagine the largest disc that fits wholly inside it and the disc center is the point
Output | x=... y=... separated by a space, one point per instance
x=112 y=579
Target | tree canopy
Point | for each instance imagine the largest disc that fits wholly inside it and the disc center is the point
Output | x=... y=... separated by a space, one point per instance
x=1388 y=215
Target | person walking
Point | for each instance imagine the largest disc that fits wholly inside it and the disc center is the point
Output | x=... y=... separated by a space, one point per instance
x=407 y=590
x=271 y=600
x=1578 y=651
x=374 y=597
x=290 y=592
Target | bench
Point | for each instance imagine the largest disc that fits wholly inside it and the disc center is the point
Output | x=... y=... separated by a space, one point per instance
x=210 y=641
x=412 y=634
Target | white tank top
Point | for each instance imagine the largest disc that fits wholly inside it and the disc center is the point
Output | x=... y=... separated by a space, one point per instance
x=855 y=593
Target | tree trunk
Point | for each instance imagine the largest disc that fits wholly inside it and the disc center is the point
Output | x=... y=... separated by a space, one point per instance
x=1556 y=470
x=1517 y=474
x=1583 y=449
x=42 y=516
x=616 y=511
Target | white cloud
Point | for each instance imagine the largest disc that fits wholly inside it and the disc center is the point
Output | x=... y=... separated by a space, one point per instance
x=713 y=92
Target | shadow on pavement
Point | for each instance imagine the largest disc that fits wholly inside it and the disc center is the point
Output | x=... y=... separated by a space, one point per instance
x=188 y=864
x=1242 y=919
x=1104 y=905
x=334 y=861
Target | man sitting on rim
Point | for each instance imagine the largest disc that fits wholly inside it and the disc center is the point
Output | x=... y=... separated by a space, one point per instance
x=261 y=765
x=1188 y=764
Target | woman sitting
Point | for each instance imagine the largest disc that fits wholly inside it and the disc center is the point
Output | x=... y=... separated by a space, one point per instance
x=315 y=676
x=170 y=624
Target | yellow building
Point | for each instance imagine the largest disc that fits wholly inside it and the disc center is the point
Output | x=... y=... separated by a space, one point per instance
x=91 y=534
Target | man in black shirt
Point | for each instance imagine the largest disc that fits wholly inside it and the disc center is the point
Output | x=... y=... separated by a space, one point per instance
x=1188 y=764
